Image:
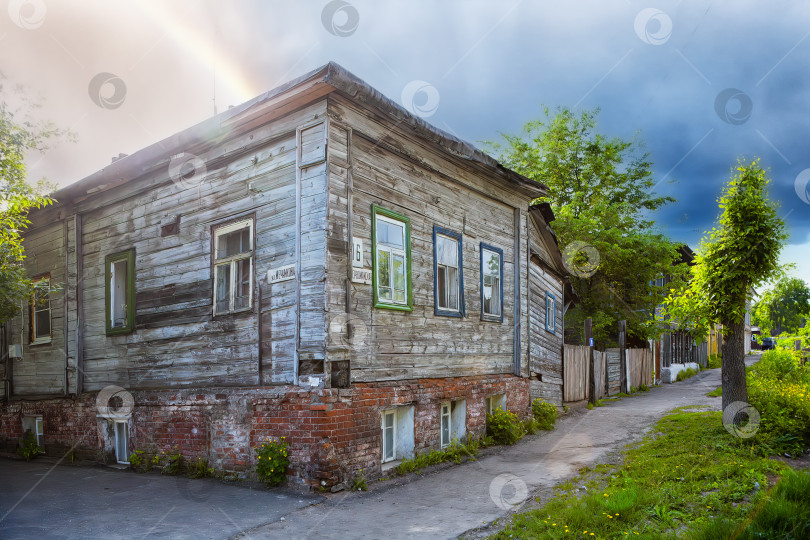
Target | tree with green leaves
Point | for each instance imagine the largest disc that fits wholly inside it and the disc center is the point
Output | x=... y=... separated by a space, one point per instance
x=601 y=192
x=735 y=257
x=19 y=134
x=783 y=308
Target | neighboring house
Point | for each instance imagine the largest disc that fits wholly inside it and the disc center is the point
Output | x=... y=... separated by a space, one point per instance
x=316 y=263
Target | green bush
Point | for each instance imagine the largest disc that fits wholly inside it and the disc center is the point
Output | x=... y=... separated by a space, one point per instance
x=715 y=361
x=505 y=427
x=779 y=389
x=137 y=462
x=272 y=461
x=29 y=449
x=359 y=482
x=199 y=469
x=544 y=413
x=685 y=374
x=170 y=463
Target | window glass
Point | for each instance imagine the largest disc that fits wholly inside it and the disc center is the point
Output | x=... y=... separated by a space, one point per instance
x=445 y=424
x=491 y=270
x=118 y=296
x=388 y=436
x=233 y=243
x=390 y=256
x=392 y=234
x=398 y=271
x=233 y=277
x=223 y=288
x=242 y=293
x=42 y=309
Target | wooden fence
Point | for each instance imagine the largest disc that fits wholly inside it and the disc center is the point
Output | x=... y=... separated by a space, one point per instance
x=639 y=367
x=576 y=372
x=600 y=370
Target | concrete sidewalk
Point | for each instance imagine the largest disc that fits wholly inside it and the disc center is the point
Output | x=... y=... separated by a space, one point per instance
x=450 y=502
x=40 y=500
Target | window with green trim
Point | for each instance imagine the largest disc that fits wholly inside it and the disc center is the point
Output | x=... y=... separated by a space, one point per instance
x=391 y=259
x=119 y=280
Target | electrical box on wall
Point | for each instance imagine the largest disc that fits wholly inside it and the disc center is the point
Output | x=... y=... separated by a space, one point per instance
x=15 y=351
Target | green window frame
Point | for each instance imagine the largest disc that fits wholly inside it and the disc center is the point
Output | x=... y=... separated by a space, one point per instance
x=391 y=259
x=119 y=294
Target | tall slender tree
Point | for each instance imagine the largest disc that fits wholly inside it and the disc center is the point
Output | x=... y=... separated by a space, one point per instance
x=736 y=256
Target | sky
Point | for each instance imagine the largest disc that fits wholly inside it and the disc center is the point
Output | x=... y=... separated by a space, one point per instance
x=700 y=84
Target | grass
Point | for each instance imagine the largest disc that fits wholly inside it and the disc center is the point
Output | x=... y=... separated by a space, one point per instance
x=715 y=361
x=687 y=475
x=717 y=392
x=456 y=452
x=685 y=374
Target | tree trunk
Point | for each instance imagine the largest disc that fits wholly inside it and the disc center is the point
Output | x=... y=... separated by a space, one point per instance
x=733 y=370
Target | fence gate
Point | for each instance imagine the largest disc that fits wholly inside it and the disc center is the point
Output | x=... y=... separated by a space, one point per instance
x=576 y=372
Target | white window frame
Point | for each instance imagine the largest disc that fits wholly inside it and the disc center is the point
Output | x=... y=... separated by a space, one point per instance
x=116 y=426
x=232 y=261
x=39 y=429
x=446 y=414
x=487 y=316
x=46 y=339
x=551 y=305
x=495 y=402
x=392 y=250
x=393 y=414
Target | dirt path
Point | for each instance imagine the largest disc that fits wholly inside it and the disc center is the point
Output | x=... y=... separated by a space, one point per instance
x=452 y=501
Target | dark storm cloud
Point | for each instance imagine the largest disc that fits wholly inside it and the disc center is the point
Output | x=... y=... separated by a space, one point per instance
x=654 y=68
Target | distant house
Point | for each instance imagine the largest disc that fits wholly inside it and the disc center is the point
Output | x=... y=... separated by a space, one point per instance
x=316 y=263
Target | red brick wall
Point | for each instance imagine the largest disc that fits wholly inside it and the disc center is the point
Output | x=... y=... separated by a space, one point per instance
x=332 y=433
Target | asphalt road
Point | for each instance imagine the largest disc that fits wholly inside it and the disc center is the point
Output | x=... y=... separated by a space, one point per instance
x=40 y=500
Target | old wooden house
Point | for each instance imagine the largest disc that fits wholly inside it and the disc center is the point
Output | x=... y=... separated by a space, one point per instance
x=317 y=263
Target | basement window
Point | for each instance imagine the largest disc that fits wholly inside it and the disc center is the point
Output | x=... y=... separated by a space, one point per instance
x=495 y=402
x=36 y=426
x=453 y=421
x=397 y=433
x=491 y=283
x=122 y=442
x=391 y=259
x=120 y=292
x=40 y=311
x=233 y=267
x=448 y=280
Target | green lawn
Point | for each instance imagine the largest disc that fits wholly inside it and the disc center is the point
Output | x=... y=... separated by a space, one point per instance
x=689 y=478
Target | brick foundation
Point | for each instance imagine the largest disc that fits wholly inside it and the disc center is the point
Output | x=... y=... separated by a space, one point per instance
x=332 y=433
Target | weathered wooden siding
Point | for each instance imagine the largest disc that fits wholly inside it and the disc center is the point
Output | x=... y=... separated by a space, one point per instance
x=41 y=371
x=177 y=341
x=545 y=348
x=391 y=168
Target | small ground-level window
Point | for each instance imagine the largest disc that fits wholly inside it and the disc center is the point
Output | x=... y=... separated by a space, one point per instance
x=453 y=421
x=551 y=309
x=495 y=402
x=122 y=442
x=41 y=311
x=445 y=424
x=491 y=283
x=40 y=427
x=397 y=433
x=36 y=426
